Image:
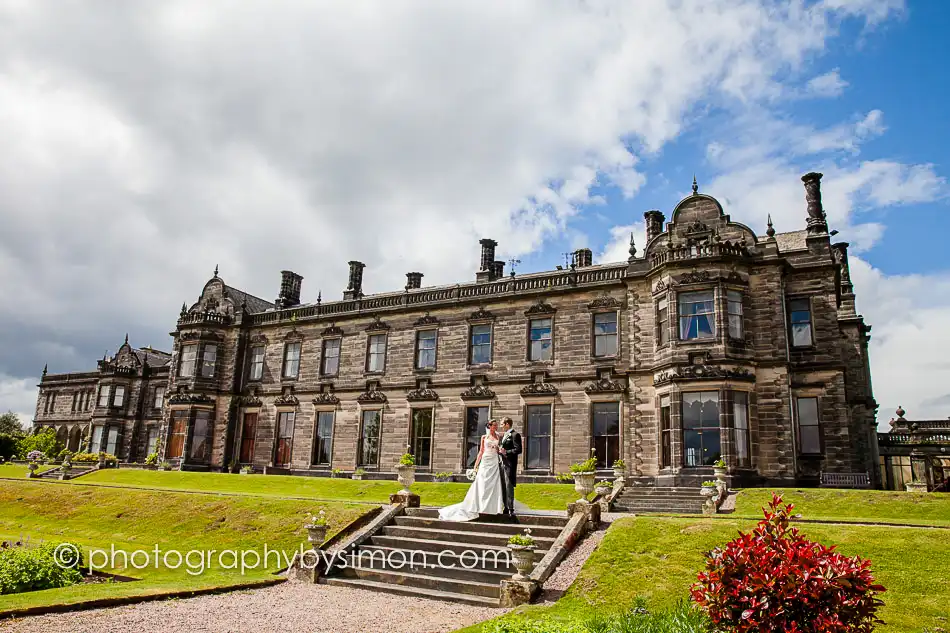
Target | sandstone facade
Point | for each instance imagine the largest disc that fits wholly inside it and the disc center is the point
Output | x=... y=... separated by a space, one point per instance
x=714 y=342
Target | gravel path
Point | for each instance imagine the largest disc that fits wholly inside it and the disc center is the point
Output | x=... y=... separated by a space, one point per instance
x=567 y=571
x=288 y=607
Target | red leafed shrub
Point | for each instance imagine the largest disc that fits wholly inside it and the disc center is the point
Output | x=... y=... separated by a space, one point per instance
x=775 y=579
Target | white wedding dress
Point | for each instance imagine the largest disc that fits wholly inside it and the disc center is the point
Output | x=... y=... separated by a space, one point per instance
x=484 y=496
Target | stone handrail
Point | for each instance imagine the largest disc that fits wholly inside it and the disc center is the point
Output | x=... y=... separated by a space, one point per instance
x=204 y=317
x=698 y=251
x=903 y=439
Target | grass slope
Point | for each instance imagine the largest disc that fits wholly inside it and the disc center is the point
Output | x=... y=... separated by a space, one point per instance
x=658 y=558
x=138 y=519
x=535 y=496
x=870 y=506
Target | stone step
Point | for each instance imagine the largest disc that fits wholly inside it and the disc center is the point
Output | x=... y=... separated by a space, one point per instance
x=423 y=581
x=436 y=546
x=479 y=526
x=416 y=592
x=448 y=566
x=553 y=520
x=645 y=509
x=459 y=536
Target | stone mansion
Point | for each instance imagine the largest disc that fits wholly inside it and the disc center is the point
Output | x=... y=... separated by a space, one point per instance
x=712 y=343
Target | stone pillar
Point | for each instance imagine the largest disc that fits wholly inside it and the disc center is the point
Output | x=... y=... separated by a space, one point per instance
x=654 y=223
x=817 y=222
x=354 y=289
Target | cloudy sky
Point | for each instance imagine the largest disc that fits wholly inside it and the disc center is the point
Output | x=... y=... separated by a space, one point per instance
x=145 y=142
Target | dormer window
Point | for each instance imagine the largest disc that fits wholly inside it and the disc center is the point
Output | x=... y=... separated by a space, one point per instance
x=697 y=314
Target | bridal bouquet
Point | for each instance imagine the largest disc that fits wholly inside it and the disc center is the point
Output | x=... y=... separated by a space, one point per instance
x=470 y=474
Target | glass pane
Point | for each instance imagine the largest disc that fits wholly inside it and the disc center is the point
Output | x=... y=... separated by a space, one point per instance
x=189 y=355
x=324 y=437
x=540 y=329
x=740 y=413
x=801 y=334
x=606 y=432
x=605 y=323
x=369 y=449
x=209 y=358
x=119 y=397
x=701 y=436
x=377 y=352
x=421 y=437
x=538 y=430
x=113 y=439
x=810 y=439
x=96 y=445
x=475 y=420
x=808 y=411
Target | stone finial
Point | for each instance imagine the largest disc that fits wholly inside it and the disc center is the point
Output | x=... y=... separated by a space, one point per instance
x=215 y=271
x=771 y=230
x=126 y=341
x=319 y=297
x=695 y=185
x=45 y=368
x=633 y=248
x=184 y=309
x=900 y=412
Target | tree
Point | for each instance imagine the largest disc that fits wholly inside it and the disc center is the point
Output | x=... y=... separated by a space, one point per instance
x=10 y=424
x=44 y=442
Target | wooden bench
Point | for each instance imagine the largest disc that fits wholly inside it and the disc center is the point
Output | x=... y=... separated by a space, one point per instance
x=845 y=480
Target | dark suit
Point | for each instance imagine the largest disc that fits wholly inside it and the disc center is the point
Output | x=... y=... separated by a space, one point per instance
x=511 y=442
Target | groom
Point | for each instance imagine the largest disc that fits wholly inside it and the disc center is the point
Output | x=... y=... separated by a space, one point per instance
x=511 y=445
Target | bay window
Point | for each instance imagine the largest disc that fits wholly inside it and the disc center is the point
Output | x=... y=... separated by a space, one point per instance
x=697 y=315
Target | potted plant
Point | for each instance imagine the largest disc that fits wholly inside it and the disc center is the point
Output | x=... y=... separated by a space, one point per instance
x=165 y=465
x=234 y=466
x=33 y=461
x=603 y=487
x=336 y=472
x=620 y=468
x=406 y=471
x=583 y=474
x=719 y=468
x=443 y=477
x=358 y=474
x=102 y=459
x=709 y=488
x=522 y=551
x=246 y=469
x=316 y=527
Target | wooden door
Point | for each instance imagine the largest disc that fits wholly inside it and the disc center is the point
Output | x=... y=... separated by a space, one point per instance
x=248 y=434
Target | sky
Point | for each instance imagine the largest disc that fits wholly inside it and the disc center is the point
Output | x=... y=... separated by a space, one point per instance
x=146 y=143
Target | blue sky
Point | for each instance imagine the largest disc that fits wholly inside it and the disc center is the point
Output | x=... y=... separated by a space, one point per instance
x=145 y=145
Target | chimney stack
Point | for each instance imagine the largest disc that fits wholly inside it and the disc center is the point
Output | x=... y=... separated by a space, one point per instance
x=413 y=281
x=583 y=257
x=654 y=221
x=498 y=269
x=486 y=271
x=817 y=222
x=289 y=290
x=354 y=289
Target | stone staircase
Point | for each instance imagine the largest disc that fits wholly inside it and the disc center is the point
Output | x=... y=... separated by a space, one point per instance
x=666 y=500
x=403 y=557
x=72 y=473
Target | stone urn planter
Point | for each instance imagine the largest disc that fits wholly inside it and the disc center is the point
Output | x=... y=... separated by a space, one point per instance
x=709 y=491
x=619 y=473
x=406 y=476
x=584 y=483
x=602 y=491
x=522 y=557
x=316 y=534
x=358 y=476
x=33 y=466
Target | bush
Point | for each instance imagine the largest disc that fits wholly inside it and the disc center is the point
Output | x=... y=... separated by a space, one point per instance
x=775 y=579
x=8 y=445
x=44 y=442
x=93 y=457
x=31 y=569
x=151 y=459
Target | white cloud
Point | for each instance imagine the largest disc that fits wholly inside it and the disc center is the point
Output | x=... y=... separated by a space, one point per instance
x=829 y=84
x=144 y=145
x=18 y=395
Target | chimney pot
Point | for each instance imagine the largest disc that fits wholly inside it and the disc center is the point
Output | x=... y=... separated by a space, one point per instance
x=654 y=223
x=817 y=222
x=289 y=289
x=354 y=288
x=413 y=280
x=498 y=269
x=583 y=257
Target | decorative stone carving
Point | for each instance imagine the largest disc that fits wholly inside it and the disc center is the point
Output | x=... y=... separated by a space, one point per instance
x=248 y=401
x=326 y=397
x=287 y=399
x=372 y=395
x=377 y=325
x=478 y=392
x=605 y=302
x=481 y=315
x=540 y=308
x=332 y=330
x=695 y=277
x=421 y=394
x=189 y=336
x=605 y=385
x=258 y=339
x=539 y=389
x=183 y=396
x=696 y=227
x=293 y=335
x=703 y=372
x=426 y=319
x=736 y=278
x=661 y=286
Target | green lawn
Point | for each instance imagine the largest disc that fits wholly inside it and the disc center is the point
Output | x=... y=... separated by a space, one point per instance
x=871 y=506
x=535 y=496
x=137 y=519
x=658 y=558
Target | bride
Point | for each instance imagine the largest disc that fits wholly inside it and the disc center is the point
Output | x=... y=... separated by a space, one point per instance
x=484 y=495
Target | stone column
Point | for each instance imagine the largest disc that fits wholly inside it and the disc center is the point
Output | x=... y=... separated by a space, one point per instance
x=817 y=222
